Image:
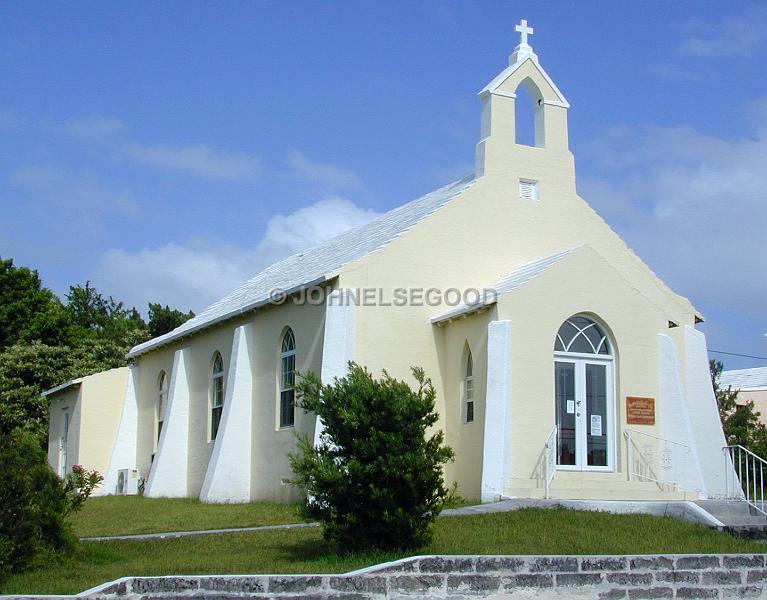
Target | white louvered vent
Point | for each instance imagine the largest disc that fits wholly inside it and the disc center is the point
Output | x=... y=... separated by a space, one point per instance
x=528 y=189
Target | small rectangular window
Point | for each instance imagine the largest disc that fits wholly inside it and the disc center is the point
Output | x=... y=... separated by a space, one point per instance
x=528 y=189
x=469 y=398
x=287 y=408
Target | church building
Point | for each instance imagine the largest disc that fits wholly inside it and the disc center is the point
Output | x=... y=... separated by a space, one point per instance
x=564 y=367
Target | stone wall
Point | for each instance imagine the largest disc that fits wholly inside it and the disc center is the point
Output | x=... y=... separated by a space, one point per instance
x=456 y=577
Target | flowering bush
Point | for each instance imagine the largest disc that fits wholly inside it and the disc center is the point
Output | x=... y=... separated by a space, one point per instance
x=34 y=502
x=78 y=486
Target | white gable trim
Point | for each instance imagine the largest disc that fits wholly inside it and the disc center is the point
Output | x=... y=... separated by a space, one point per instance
x=491 y=88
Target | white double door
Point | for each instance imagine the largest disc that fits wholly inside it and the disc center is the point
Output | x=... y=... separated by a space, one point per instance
x=585 y=413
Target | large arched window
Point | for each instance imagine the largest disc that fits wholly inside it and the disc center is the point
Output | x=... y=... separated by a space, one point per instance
x=162 y=398
x=584 y=397
x=216 y=394
x=468 y=388
x=287 y=379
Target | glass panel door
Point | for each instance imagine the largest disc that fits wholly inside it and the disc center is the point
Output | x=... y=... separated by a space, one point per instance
x=564 y=377
x=583 y=405
x=596 y=415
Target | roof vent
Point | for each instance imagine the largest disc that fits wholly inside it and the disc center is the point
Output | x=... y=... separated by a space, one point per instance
x=528 y=189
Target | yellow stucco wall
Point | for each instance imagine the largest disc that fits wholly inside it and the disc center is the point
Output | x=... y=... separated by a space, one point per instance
x=759 y=398
x=95 y=405
x=102 y=397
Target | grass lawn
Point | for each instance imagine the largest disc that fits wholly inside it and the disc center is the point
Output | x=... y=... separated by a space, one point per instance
x=528 y=531
x=123 y=515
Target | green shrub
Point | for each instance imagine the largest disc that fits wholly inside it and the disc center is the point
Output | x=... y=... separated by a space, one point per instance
x=376 y=478
x=34 y=502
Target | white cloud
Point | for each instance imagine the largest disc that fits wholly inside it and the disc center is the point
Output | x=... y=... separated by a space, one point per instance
x=327 y=176
x=693 y=206
x=94 y=127
x=737 y=35
x=82 y=198
x=198 y=159
x=675 y=72
x=197 y=273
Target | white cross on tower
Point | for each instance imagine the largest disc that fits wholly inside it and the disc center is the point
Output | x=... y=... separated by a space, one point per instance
x=524 y=31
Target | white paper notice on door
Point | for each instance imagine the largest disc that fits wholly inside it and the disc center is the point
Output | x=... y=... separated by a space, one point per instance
x=570 y=407
x=596 y=425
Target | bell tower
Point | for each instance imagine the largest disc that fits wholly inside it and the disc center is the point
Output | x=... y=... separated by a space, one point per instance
x=499 y=155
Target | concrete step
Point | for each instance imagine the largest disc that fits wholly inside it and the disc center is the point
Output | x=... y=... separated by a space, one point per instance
x=595 y=486
x=603 y=493
x=731 y=508
x=737 y=515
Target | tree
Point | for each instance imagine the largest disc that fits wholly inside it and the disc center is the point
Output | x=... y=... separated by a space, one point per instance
x=27 y=310
x=376 y=478
x=163 y=319
x=26 y=370
x=44 y=343
x=95 y=316
x=740 y=421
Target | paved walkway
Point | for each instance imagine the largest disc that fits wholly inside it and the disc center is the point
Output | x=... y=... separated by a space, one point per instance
x=178 y=534
x=683 y=509
x=466 y=510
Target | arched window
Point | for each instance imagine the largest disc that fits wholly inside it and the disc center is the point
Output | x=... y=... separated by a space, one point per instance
x=287 y=379
x=584 y=397
x=529 y=115
x=581 y=334
x=216 y=394
x=468 y=388
x=162 y=398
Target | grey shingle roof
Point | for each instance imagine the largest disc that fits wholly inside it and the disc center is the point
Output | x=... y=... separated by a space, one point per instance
x=744 y=379
x=314 y=265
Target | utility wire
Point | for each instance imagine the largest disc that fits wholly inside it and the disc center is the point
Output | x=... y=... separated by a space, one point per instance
x=741 y=355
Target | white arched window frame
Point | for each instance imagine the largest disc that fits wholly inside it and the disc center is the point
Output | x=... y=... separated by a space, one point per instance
x=287 y=379
x=584 y=388
x=468 y=388
x=162 y=400
x=216 y=394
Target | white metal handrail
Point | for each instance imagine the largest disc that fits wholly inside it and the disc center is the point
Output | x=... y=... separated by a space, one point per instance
x=744 y=476
x=549 y=460
x=655 y=459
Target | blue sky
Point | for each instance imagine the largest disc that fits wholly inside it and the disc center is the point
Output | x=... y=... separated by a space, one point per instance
x=168 y=151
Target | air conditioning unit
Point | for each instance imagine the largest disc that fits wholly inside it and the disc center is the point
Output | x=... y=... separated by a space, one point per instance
x=127 y=482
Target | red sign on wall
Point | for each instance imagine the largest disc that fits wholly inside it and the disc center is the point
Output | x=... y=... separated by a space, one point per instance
x=640 y=411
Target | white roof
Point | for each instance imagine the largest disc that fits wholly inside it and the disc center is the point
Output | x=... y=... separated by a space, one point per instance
x=511 y=281
x=313 y=266
x=62 y=387
x=744 y=379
